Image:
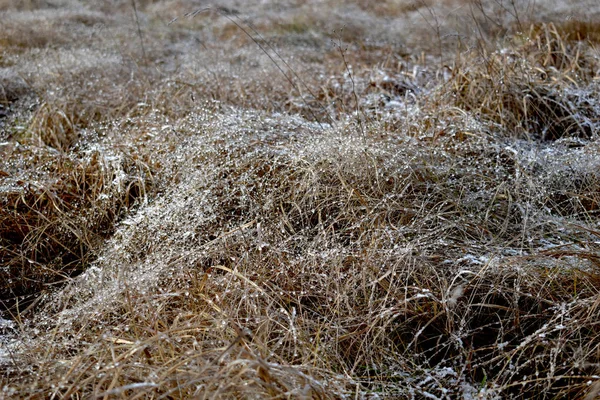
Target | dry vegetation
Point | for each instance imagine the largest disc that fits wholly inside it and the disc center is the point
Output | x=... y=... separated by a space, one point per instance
x=299 y=199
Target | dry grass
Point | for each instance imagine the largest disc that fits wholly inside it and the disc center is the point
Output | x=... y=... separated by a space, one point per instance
x=335 y=216
x=536 y=88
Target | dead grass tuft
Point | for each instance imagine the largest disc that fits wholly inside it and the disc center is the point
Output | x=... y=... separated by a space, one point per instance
x=537 y=90
x=576 y=30
x=54 y=217
x=359 y=221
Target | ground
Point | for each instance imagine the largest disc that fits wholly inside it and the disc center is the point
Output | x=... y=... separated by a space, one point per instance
x=299 y=199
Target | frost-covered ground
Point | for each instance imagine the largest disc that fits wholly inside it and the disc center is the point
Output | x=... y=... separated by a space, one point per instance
x=299 y=199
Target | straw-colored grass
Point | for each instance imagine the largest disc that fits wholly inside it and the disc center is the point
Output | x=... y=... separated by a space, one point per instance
x=191 y=211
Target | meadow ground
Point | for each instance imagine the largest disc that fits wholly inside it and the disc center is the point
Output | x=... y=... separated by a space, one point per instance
x=299 y=199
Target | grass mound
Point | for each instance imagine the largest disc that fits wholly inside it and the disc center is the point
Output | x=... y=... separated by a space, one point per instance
x=382 y=229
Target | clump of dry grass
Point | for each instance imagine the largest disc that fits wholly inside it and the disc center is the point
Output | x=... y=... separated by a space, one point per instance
x=54 y=217
x=542 y=88
x=419 y=246
x=281 y=264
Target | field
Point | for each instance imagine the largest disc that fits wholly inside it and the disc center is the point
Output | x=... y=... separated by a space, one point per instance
x=300 y=199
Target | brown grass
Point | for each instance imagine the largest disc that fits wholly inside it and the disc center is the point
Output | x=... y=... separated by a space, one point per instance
x=335 y=216
x=533 y=89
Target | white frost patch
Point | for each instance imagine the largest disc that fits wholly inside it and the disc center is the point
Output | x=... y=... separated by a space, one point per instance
x=473 y=260
x=6 y=324
x=4 y=341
